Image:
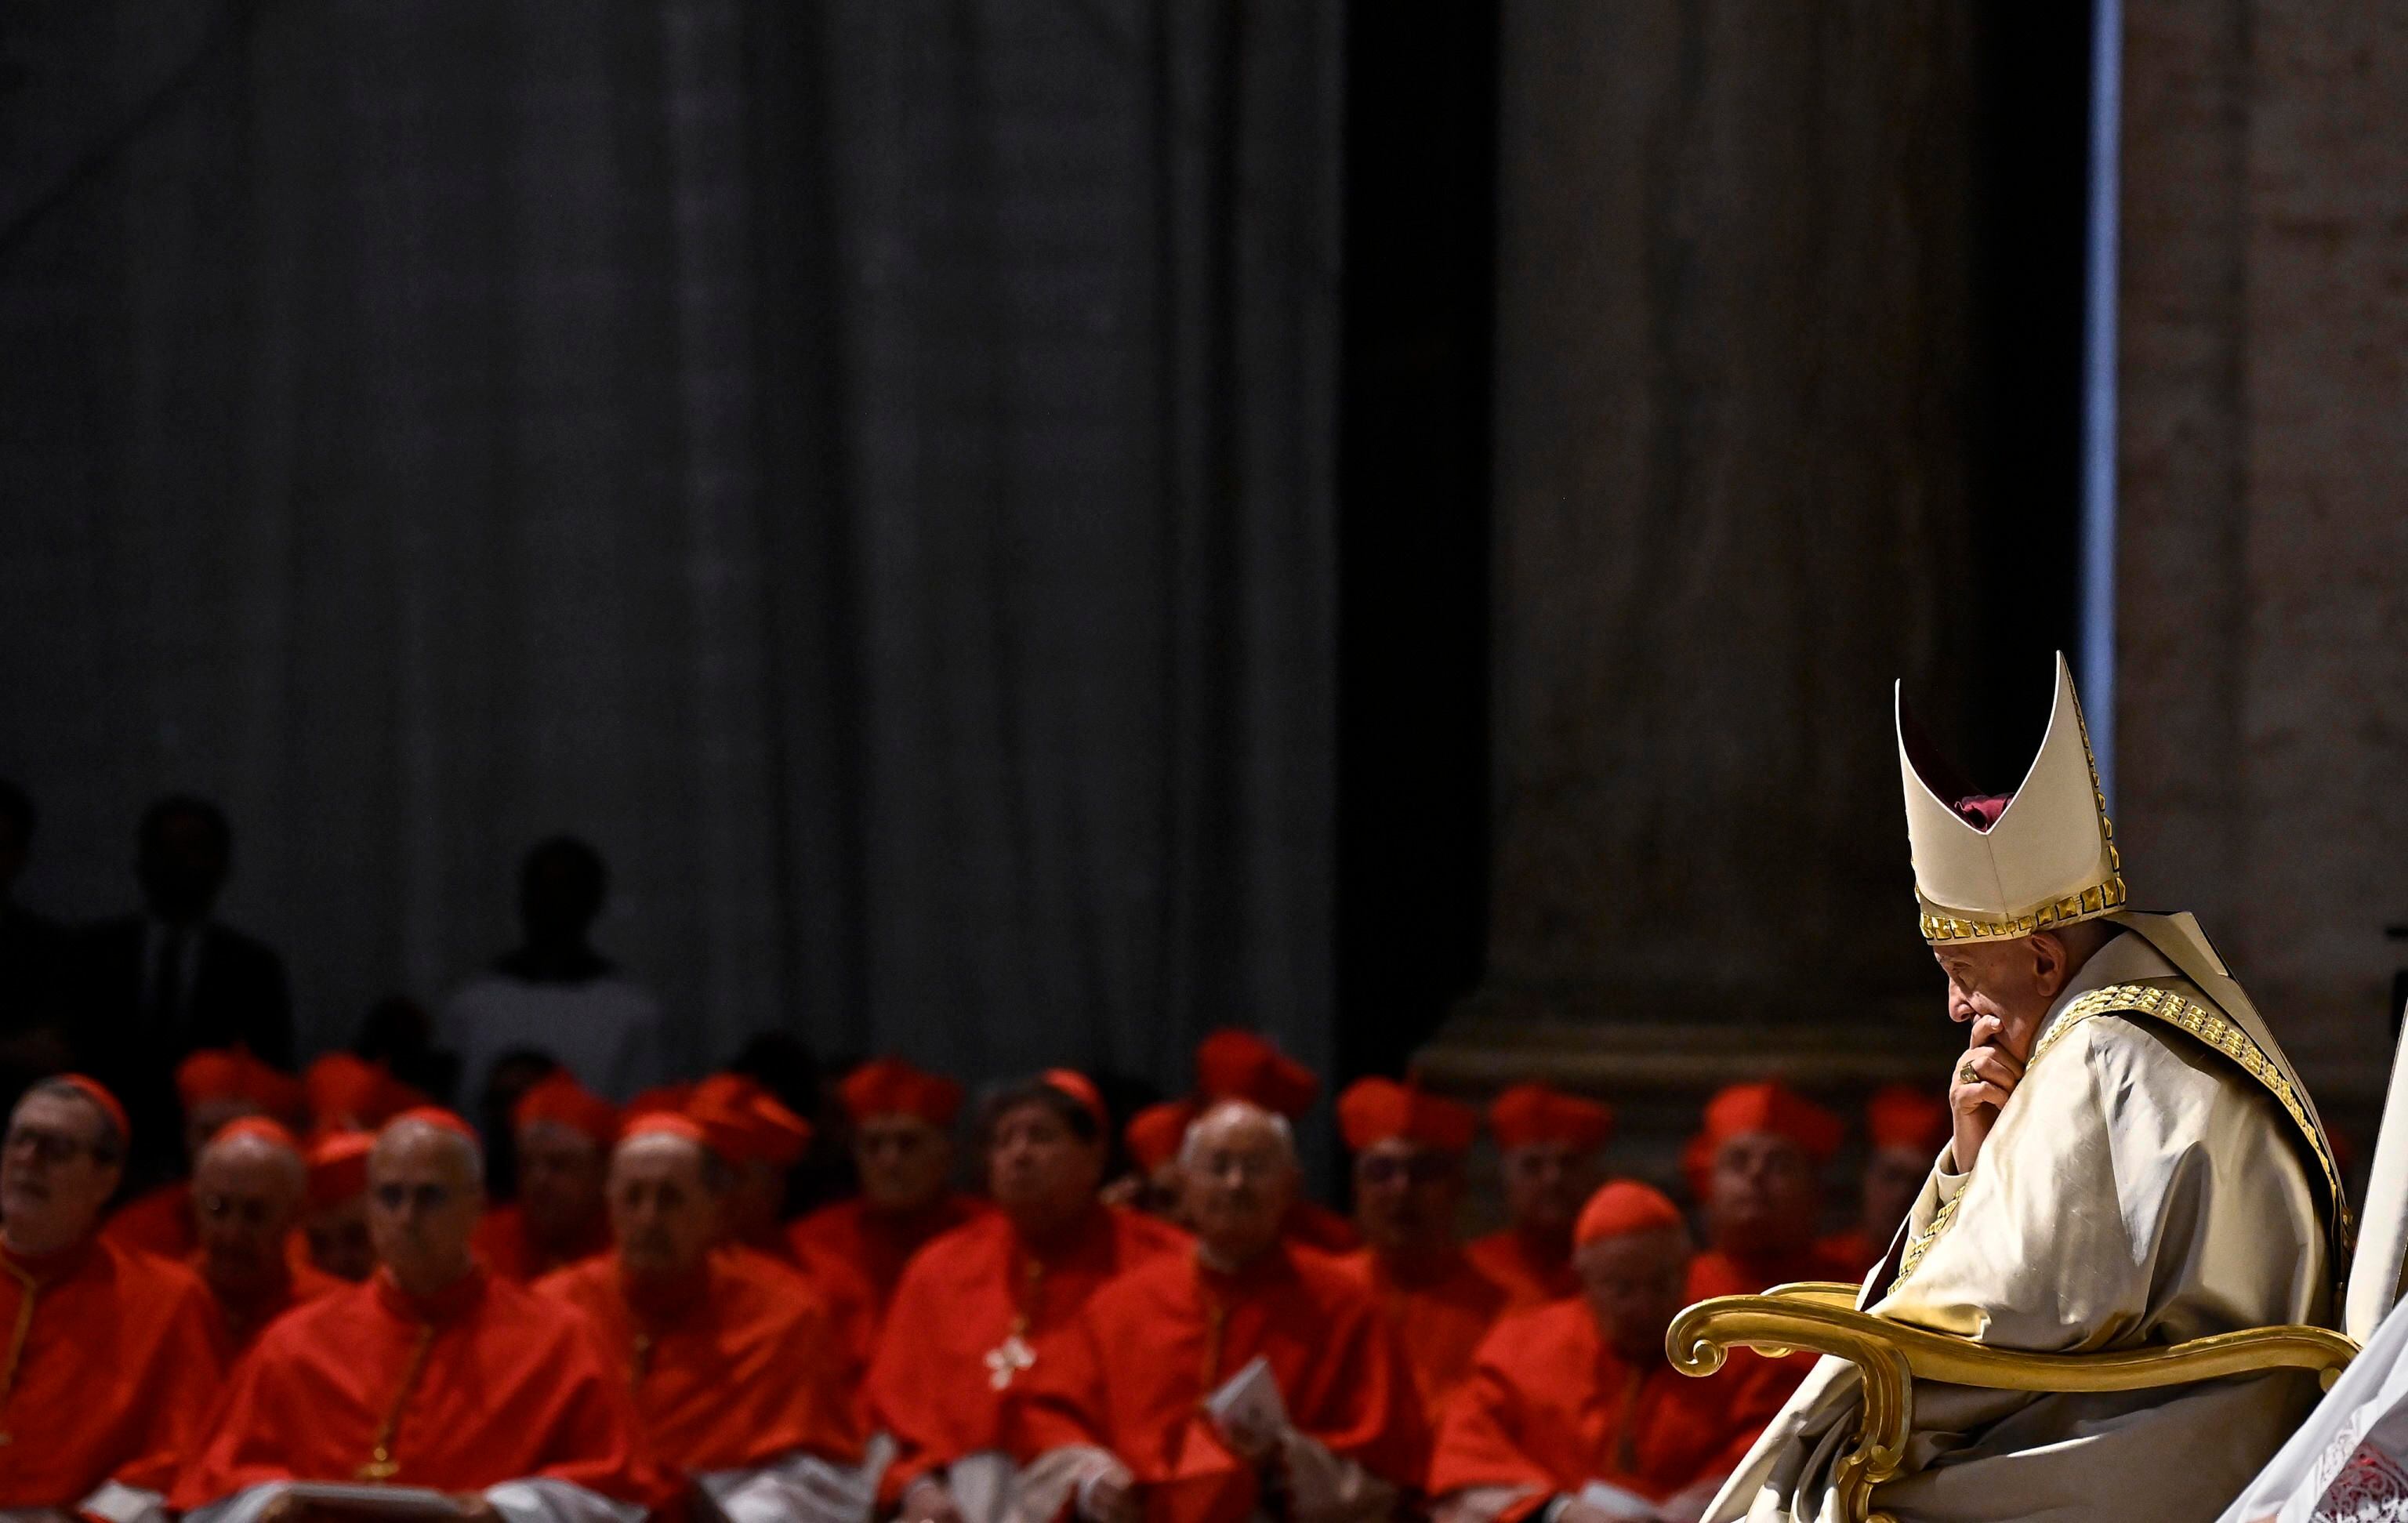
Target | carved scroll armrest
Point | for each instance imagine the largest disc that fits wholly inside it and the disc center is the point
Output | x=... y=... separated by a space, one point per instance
x=1892 y=1356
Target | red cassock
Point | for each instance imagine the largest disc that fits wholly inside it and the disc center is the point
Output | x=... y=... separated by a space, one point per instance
x=733 y=1373
x=1319 y=1228
x=1441 y=1312
x=1550 y=1407
x=1529 y=1274
x=1153 y=1347
x=480 y=1383
x=875 y=1246
x=240 y=1322
x=976 y=1310
x=502 y=1244
x=1715 y=1273
x=1853 y=1252
x=158 y=1222
x=119 y=1365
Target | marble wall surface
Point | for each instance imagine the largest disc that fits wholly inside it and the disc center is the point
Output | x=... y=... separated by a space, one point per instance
x=2263 y=579
x=1729 y=491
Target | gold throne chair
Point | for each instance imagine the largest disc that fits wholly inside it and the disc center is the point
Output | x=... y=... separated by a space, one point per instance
x=1822 y=1317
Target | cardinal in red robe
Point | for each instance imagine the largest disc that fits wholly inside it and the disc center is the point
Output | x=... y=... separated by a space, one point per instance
x=1153 y=1139
x=1409 y=1149
x=1548 y=1142
x=1203 y=1384
x=250 y=1187
x=433 y=1375
x=564 y=1135
x=117 y=1356
x=1576 y=1393
x=1240 y=1065
x=1904 y=1130
x=739 y=1377
x=336 y=1224
x=348 y=1093
x=760 y=1140
x=902 y=1122
x=983 y=1306
x=216 y=1085
x=1757 y=1165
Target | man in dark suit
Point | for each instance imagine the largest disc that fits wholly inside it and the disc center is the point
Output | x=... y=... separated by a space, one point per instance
x=154 y=986
x=33 y=1042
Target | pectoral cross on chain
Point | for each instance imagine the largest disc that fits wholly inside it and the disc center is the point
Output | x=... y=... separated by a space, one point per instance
x=1005 y=1361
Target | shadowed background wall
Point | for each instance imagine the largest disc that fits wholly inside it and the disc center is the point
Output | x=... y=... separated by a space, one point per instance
x=868 y=466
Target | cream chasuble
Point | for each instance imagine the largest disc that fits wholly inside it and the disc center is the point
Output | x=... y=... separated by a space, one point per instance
x=2158 y=1176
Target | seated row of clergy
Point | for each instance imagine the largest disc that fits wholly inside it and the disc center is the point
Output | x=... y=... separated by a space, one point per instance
x=995 y=1347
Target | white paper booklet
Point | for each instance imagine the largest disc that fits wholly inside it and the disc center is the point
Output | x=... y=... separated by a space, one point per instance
x=1615 y=1502
x=383 y=1500
x=1250 y=1399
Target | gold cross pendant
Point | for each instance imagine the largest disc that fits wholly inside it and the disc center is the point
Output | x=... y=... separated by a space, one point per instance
x=381 y=1468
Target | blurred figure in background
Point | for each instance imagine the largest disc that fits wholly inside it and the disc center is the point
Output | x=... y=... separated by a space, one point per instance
x=740 y=1383
x=78 y=1423
x=1409 y=1150
x=1548 y=1144
x=337 y=1223
x=760 y=1140
x=1904 y=1128
x=1124 y=1420
x=563 y=1134
x=1578 y=1393
x=1757 y=1170
x=33 y=1027
x=903 y=1151
x=1153 y=1138
x=1240 y=1065
x=398 y=1035
x=553 y=993
x=150 y=988
x=214 y=1087
x=981 y=1307
x=250 y=1187
x=432 y=1374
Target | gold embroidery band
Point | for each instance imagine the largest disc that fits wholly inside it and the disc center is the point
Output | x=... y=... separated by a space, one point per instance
x=2095 y=900
x=2208 y=1026
x=2171 y=1007
x=1922 y=1242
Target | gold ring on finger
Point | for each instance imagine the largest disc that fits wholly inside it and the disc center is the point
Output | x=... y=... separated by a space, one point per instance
x=1965 y=1074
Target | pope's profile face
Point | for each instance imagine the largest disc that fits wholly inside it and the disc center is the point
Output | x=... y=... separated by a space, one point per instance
x=1547 y=1183
x=903 y=1162
x=53 y=1181
x=661 y=1207
x=1635 y=1284
x=1762 y=1198
x=247 y=1195
x=561 y=1172
x=423 y=1202
x=2014 y=983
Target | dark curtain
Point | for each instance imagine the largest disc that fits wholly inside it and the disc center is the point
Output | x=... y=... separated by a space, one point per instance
x=867 y=465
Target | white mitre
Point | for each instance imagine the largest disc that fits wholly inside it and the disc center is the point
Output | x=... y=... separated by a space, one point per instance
x=2047 y=859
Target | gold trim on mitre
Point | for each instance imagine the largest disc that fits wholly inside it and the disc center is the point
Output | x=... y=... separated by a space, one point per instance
x=2049 y=860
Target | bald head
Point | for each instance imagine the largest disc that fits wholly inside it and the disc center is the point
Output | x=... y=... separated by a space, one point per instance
x=425 y=1192
x=247 y=1192
x=1240 y=1168
x=665 y=1195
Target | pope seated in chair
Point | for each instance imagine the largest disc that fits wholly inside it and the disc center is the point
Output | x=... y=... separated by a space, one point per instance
x=2132 y=1162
